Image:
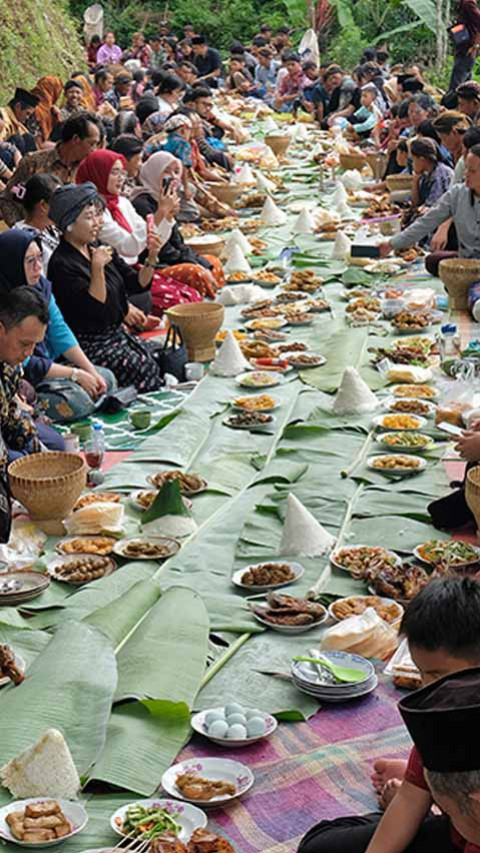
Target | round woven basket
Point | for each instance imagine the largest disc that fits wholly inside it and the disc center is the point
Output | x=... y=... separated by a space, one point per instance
x=278 y=144
x=207 y=244
x=48 y=484
x=226 y=193
x=377 y=161
x=397 y=183
x=352 y=161
x=457 y=275
x=472 y=493
x=198 y=323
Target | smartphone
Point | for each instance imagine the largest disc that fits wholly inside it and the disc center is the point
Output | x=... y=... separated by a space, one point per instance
x=167 y=183
x=451 y=428
x=364 y=251
x=150 y=224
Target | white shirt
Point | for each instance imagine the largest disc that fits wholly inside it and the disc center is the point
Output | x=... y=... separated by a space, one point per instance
x=130 y=245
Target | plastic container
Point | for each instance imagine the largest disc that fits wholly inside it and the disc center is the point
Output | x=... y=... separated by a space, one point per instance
x=95 y=448
x=448 y=341
x=474 y=300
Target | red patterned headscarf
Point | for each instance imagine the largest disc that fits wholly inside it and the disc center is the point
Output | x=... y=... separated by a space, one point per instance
x=96 y=168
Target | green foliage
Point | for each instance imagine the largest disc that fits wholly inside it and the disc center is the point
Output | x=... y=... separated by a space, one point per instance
x=37 y=37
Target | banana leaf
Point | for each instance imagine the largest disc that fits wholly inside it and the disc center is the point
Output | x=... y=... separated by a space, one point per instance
x=389 y=531
x=346 y=347
x=374 y=502
x=70 y=686
x=119 y=618
x=28 y=644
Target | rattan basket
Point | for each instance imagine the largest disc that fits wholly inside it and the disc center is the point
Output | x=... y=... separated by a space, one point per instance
x=399 y=183
x=225 y=193
x=207 y=244
x=278 y=144
x=377 y=160
x=472 y=493
x=48 y=484
x=457 y=274
x=198 y=323
x=352 y=161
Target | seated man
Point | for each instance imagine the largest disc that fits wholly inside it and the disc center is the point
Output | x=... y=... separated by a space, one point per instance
x=290 y=86
x=14 y=119
x=442 y=626
x=207 y=61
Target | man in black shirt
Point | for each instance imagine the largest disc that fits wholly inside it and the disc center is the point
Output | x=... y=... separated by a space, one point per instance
x=207 y=61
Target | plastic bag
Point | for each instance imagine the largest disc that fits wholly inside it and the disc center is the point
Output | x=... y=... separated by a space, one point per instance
x=96 y=518
x=308 y=47
x=459 y=399
x=366 y=635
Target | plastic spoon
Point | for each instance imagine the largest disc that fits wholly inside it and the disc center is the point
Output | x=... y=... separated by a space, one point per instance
x=341 y=673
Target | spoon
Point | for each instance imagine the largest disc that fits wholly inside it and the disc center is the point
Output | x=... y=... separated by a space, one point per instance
x=341 y=673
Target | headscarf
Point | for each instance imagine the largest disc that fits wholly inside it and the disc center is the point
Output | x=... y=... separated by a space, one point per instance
x=48 y=91
x=88 y=101
x=96 y=168
x=176 y=122
x=13 y=248
x=68 y=201
x=151 y=174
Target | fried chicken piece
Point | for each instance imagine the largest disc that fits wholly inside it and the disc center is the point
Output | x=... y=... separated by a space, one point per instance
x=8 y=667
x=278 y=601
x=167 y=842
x=196 y=788
x=205 y=841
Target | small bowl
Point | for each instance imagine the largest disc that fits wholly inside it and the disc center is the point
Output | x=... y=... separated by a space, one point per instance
x=73 y=811
x=141 y=418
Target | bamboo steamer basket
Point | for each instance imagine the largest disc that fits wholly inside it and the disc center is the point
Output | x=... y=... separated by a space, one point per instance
x=225 y=193
x=48 y=485
x=472 y=493
x=377 y=161
x=399 y=183
x=207 y=244
x=457 y=274
x=278 y=143
x=352 y=161
x=198 y=324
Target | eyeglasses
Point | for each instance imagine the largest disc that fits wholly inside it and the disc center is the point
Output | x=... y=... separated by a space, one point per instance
x=118 y=173
x=34 y=260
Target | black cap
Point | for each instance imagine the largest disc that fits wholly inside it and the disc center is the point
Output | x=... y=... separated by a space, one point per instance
x=26 y=98
x=444 y=719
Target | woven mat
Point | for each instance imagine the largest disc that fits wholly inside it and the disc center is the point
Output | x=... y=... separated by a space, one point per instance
x=307 y=772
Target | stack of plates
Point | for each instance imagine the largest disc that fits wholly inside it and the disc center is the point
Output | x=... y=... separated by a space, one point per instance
x=308 y=678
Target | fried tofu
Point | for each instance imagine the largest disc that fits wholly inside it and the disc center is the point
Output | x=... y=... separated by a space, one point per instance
x=65 y=828
x=38 y=835
x=43 y=809
x=14 y=817
x=49 y=822
x=17 y=830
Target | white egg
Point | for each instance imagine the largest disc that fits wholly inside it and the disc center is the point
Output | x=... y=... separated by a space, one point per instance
x=256 y=727
x=253 y=712
x=232 y=719
x=237 y=732
x=212 y=716
x=218 y=728
x=233 y=708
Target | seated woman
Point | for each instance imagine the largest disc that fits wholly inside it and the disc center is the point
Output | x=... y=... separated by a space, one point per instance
x=36 y=197
x=432 y=177
x=78 y=387
x=91 y=284
x=461 y=203
x=176 y=259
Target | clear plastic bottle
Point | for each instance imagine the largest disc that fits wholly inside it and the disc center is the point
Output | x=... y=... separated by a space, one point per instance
x=95 y=447
x=448 y=341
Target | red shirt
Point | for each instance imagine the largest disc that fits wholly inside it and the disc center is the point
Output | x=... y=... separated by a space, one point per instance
x=415 y=775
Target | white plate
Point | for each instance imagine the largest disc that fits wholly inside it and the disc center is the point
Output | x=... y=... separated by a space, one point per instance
x=226 y=422
x=389 y=403
x=379 y=421
x=21 y=666
x=291 y=629
x=198 y=725
x=333 y=557
x=61 y=545
x=189 y=493
x=74 y=812
x=321 y=361
x=210 y=768
x=188 y=817
x=406 y=449
x=53 y=565
x=271 y=379
x=252 y=325
x=134 y=499
x=417 y=554
x=385 y=601
x=172 y=544
x=247 y=280
x=401 y=397
x=237 y=576
x=398 y=472
x=263 y=411
x=293 y=322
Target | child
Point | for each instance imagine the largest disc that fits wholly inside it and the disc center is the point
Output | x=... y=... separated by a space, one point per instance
x=367 y=117
x=442 y=626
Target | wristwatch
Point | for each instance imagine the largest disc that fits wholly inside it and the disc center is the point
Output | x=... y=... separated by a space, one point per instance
x=74 y=374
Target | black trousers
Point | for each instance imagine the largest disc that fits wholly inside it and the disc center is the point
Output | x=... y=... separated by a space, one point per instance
x=461 y=71
x=353 y=835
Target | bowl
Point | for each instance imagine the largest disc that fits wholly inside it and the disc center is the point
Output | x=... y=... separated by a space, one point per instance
x=198 y=323
x=352 y=161
x=399 y=183
x=225 y=193
x=199 y=725
x=207 y=244
x=48 y=486
x=278 y=143
x=73 y=811
x=457 y=274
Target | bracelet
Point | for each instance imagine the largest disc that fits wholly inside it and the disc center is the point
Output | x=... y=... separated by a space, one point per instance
x=74 y=374
x=150 y=265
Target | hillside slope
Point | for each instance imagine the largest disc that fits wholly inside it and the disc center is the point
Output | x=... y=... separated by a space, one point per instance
x=37 y=37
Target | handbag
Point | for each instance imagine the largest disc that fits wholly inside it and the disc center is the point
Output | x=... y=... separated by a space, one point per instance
x=167 y=292
x=171 y=356
x=459 y=35
x=120 y=400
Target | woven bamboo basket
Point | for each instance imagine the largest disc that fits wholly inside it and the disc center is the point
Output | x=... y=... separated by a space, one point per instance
x=472 y=493
x=198 y=323
x=352 y=161
x=399 y=183
x=457 y=275
x=226 y=193
x=48 y=484
x=377 y=161
x=278 y=144
x=207 y=244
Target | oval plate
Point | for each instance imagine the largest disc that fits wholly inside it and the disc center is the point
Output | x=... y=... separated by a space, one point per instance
x=290 y=629
x=390 y=402
x=188 y=817
x=321 y=360
x=69 y=558
x=379 y=422
x=31 y=584
x=417 y=554
x=172 y=546
x=210 y=768
x=333 y=557
x=86 y=547
x=73 y=811
x=388 y=602
x=157 y=484
x=228 y=422
x=264 y=411
x=134 y=498
x=198 y=725
x=237 y=576
x=398 y=448
x=271 y=379
x=421 y=464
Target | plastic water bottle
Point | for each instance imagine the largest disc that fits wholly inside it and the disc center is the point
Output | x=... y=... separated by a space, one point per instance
x=95 y=448
x=448 y=341
x=474 y=300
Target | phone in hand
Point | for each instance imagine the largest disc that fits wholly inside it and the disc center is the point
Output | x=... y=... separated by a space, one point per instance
x=167 y=182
